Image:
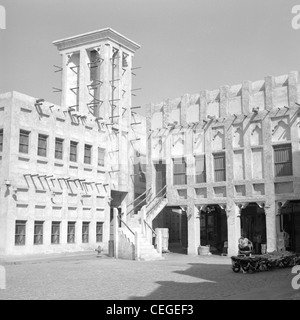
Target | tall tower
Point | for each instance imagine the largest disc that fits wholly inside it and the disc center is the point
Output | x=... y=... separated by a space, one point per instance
x=96 y=75
x=97 y=81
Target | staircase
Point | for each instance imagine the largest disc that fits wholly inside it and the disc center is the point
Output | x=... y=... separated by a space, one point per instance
x=139 y=225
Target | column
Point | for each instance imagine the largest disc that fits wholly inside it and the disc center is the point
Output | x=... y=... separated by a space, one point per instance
x=233 y=213
x=193 y=229
x=269 y=84
x=116 y=232
x=246 y=97
x=270 y=211
x=64 y=76
x=150 y=178
x=105 y=72
x=83 y=76
x=292 y=88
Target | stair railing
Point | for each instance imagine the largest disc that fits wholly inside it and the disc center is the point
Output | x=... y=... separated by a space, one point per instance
x=160 y=196
x=147 y=194
x=125 y=224
x=148 y=225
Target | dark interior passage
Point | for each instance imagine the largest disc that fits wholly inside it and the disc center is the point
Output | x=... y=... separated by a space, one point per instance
x=213 y=228
x=253 y=225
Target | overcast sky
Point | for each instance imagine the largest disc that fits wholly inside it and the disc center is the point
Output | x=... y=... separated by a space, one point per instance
x=186 y=45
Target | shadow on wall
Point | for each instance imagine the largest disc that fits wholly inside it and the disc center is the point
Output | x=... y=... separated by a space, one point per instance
x=213 y=282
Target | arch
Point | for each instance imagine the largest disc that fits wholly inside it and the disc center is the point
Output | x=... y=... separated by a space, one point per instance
x=253 y=224
x=238 y=139
x=256 y=135
x=218 y=140
x=213 y=227
x=281 y=131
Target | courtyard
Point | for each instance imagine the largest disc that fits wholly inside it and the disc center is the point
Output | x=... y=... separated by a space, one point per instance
x=84 y=276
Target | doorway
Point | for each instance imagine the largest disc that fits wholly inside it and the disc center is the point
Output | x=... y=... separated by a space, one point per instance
x=290 y=223
x=175 y=220
x=213 y=228
x=160 y=175
x=253 y=225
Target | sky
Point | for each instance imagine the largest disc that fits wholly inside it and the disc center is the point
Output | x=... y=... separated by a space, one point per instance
x=186 y=45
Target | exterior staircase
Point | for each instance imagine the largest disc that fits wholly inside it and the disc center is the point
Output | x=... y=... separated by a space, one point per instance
x=137 y=232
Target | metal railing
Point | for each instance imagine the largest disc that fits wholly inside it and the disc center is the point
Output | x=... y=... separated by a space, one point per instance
x=147 y=194
x=160 y=196
x=148 y=225
x=126 y=225
x=157 y=195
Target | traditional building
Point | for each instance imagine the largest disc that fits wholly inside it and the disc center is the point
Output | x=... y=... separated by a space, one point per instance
x=63 y=168
x=230 y=162
x=209 y=167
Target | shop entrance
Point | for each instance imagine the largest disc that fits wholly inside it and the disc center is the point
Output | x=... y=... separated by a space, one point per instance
x=253 y=225
x=213 y=228
x=290 y=224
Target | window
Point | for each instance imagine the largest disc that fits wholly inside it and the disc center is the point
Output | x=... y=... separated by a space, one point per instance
x=20 y=233
x=73 y=151
x=99 y=232
x=71 y=232
x=58 y=148
x=1 y=140
x=55 y=232
x=101 y=155
x=200 y=169
x=283 y=160
x=42 y=145
x=38 y=232
x=24 y=141
x=85 y=232
x=219 y=165
x=179 y=170
x=87 y=154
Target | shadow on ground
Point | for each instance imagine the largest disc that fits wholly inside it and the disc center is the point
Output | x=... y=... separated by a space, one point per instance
x=214 y=282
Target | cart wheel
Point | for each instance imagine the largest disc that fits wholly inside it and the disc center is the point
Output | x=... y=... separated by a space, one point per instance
x=245 y=268
x=236 y=268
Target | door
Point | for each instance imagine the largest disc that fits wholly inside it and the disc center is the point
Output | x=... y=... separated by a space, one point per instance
x=160 y=169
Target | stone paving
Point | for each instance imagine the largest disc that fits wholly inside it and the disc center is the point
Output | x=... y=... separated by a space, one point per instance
x=177 y=277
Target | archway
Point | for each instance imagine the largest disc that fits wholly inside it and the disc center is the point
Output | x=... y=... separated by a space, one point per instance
x=213 y=228
x=253 y=225
x=290 y=223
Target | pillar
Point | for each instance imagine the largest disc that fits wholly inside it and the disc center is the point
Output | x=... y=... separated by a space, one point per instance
x=116 y=232
x=292 y=88
x=83 y=80
x=270 y=211
x=193 y=229
x=233 y=228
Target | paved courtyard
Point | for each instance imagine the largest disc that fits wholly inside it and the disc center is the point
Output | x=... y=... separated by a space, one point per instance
x=177 y=277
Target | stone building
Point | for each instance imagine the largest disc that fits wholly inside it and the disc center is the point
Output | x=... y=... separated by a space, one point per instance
x=230 y=162
x=210 y=166
x=63 y=168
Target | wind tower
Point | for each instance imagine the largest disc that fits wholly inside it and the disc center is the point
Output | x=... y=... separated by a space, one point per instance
x=97 y=81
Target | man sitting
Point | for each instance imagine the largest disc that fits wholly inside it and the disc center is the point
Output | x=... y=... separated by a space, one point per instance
x=245 y=246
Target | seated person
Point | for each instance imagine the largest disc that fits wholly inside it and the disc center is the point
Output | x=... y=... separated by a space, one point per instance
x=245 y=244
